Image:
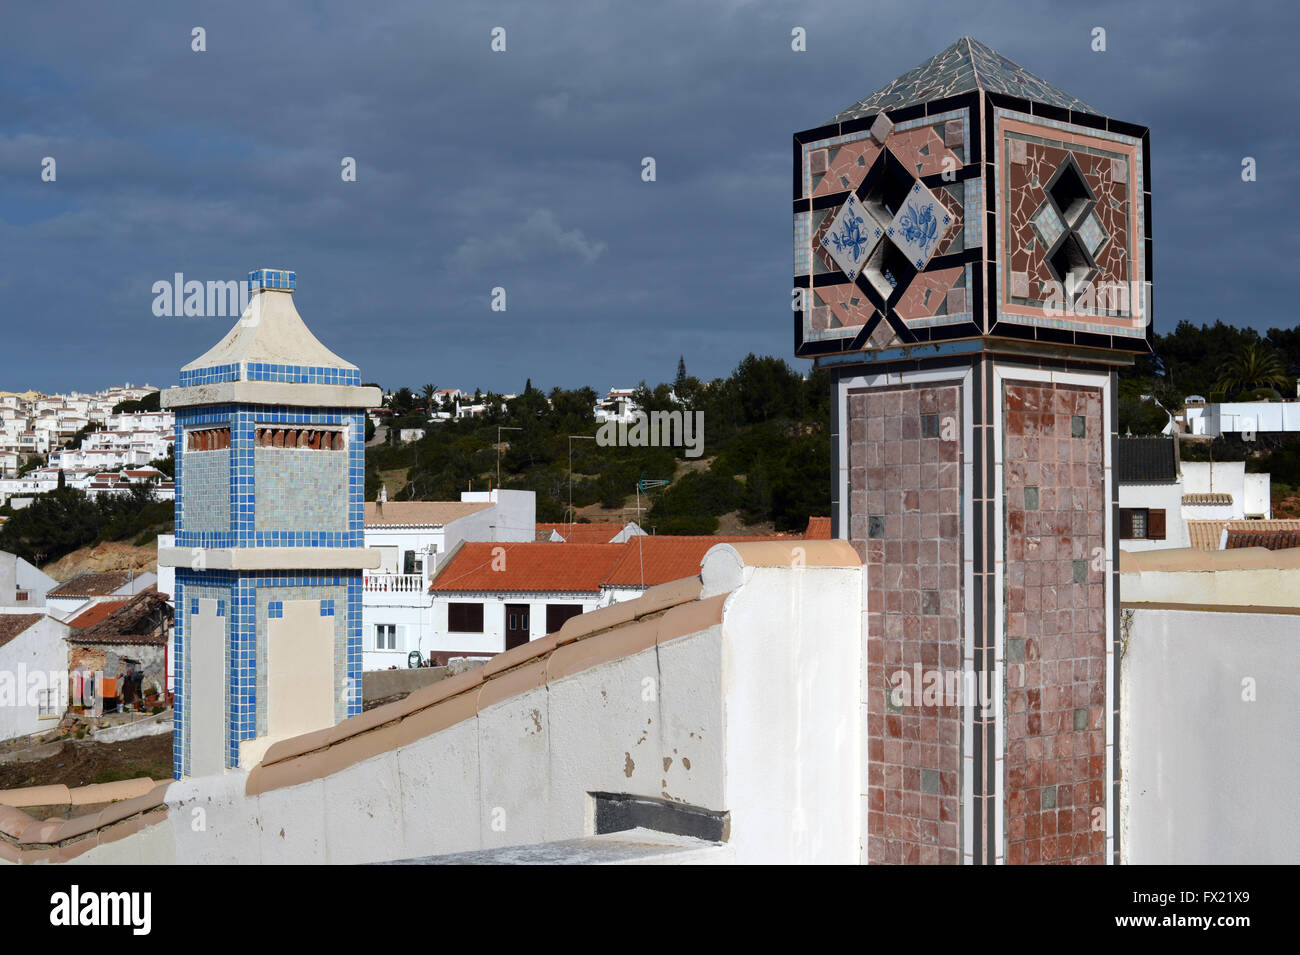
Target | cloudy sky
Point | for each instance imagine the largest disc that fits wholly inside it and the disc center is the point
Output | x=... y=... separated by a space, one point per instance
x=522 y=169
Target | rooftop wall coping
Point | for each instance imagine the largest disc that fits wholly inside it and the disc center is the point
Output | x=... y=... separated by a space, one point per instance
x=1191 y=559
x=141 y=803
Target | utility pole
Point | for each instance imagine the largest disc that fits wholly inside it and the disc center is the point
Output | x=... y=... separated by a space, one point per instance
x=501 y=428
x=572 y=438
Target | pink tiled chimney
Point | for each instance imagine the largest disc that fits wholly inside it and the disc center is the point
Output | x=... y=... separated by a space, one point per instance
x=972 y=249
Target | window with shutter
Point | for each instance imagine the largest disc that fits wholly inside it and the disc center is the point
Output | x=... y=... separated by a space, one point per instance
x=556 y=614
x=1156 y=524
x=465 y=618
x=1125 y=523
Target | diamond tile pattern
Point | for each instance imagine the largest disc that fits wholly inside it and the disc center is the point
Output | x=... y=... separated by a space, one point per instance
x=1047 y=223
x=852 y=236
x=1091 y=234
x=919 y=225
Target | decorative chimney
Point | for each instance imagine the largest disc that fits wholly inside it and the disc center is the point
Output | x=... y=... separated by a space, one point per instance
x=972 y=252
x=269 y=541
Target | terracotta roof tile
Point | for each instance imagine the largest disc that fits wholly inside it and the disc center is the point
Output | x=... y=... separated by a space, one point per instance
x=1273 y=540
x=593 y=533
x=97 y=613
x=1209 y=500
x=141 y=620
x=526 y=567
x=420 y=513
x=1205 y=535
x=658 y=558
x=819 y=529
x=12 y=624
x=93 y=584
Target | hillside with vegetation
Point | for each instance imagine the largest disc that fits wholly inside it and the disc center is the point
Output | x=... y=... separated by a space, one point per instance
x=765 y=462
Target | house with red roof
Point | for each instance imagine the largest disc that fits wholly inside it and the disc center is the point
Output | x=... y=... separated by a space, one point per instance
x=488 y=598
x=33 y=673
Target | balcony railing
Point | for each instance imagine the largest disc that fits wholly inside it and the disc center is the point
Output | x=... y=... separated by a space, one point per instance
x=394 y=583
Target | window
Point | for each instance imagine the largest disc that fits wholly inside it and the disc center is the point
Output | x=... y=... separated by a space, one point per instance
x=385 y=636
x=556 y=614
x=20 y=596
x=48 y=703
x=465 y=618
x=1141 y=523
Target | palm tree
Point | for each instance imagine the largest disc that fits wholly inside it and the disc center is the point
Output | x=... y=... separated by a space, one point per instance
x=428 y=391
x=1255 y=365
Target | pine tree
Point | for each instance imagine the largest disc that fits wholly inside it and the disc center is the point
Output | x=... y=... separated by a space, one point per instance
x=680 y=380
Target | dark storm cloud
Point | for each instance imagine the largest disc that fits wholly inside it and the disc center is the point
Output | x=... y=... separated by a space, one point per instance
x=522 y=169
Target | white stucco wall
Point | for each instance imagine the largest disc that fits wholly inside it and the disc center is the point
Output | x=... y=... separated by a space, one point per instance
x=1209 y=775
x=36 y=659
x=493 y=637
x=1166 y=497
x=757 y=716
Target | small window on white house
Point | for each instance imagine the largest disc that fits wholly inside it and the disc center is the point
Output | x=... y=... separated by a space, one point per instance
x=47 y=704
x=386 y=636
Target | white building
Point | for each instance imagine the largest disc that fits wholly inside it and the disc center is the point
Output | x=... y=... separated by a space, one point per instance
x=22 y=586
x=411 y=537
x=33 y=673
x=1159 y=494
x=71 y=597
x=1242 y=417
x=488 y=599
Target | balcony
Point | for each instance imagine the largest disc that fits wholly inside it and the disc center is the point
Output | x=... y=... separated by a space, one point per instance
x=395 y=589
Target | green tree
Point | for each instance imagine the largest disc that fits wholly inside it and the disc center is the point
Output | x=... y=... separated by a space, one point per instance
x=1254 y=365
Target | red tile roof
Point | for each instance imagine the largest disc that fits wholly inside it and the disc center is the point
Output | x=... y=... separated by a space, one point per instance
x=93 y=584
x=1272 y=539
x=819 y=529
x=647 y=561
x=97 y=613
x=594 y=533
x=12 y=624
x=527 y=566
x=142 y=620
x=544 y=567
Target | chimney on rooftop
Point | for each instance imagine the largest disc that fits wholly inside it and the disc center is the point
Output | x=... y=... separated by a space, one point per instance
x=382 y=499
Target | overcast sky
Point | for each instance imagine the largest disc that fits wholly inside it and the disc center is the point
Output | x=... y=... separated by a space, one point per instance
x=522 y=169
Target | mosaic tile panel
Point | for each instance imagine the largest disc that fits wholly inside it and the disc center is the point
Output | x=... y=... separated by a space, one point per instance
x=935 y=222
x=298 y=489
x=1107 y=172
x=243 y=529
x=1055 y=640
x=964 y=66
x=905 y=522
x=1026 y=187
x=207 y=507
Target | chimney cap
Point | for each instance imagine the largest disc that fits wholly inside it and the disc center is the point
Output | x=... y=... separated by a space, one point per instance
x=281 y=280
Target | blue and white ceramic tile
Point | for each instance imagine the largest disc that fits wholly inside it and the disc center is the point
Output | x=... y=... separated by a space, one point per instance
x=854 y=232
x=919 y=225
